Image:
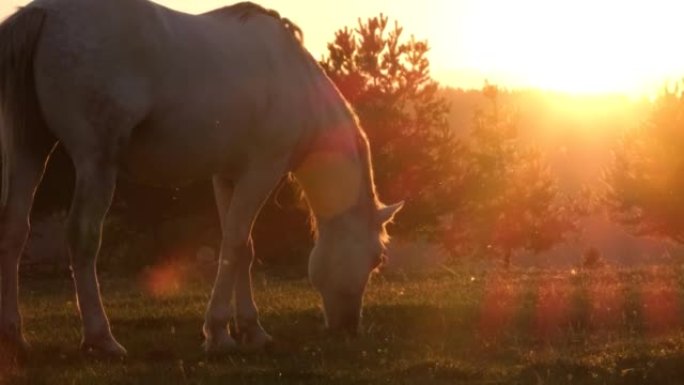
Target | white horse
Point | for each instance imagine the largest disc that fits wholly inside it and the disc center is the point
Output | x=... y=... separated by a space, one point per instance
x=131 y=88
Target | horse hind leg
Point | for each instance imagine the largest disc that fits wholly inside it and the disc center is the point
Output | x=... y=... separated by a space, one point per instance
x=26 y=168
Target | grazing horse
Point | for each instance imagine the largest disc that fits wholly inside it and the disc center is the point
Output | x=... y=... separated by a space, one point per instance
x=130 y=88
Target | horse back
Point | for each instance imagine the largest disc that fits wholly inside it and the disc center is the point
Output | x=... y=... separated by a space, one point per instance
x=166 y=85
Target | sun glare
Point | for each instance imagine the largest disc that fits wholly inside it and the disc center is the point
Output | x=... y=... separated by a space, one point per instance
x=583 y=46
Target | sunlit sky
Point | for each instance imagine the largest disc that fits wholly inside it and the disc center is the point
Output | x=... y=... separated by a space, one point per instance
x=579 y=46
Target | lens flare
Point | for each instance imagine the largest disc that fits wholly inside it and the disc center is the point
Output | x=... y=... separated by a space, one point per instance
x=163 y=280
x=552 y=314
x=606 y=295
x=500 y=302
x=661 y=310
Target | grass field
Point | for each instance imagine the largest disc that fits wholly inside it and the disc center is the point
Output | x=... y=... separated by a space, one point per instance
x=519 y=327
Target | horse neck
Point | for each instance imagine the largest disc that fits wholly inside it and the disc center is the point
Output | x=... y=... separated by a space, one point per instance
x=335 y=178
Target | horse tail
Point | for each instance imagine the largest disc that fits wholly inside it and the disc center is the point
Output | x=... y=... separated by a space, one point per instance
x=19 y=108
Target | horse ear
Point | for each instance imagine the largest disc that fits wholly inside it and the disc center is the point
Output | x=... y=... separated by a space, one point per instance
x=387 y=213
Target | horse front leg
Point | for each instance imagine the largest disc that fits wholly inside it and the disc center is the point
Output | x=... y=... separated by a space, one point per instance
x=95 y=184
x=237 y=218
x=246 y=329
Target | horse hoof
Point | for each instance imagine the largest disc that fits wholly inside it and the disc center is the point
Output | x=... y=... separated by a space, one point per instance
x=256 y=340
x=218 y=346
x=107 y=348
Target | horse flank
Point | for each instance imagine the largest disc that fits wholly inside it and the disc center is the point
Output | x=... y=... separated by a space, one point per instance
x=19 y=109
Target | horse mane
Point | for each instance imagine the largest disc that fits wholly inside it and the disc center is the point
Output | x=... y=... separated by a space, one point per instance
x=364 y=152
x=246 y=10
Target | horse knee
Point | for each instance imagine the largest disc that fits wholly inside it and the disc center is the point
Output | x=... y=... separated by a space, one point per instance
x=239 y=253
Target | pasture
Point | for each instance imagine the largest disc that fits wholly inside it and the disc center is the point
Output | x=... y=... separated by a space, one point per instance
x=459 y=325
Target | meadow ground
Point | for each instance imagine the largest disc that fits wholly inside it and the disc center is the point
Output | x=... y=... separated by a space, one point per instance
x=607 y=326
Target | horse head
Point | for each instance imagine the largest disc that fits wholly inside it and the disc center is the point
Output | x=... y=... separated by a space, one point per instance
x=350 y=247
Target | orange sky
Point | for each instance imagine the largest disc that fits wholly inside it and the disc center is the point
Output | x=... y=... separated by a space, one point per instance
x=578 y=46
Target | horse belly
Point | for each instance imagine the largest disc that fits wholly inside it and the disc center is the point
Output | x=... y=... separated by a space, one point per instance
x=172 y=156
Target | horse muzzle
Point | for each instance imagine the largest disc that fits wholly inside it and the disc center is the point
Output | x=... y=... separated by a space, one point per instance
x=343 y=314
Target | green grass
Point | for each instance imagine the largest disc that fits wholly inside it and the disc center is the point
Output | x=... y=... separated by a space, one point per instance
x=518 y=327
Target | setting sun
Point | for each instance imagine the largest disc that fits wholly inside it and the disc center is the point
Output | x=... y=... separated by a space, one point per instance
x=578 y=47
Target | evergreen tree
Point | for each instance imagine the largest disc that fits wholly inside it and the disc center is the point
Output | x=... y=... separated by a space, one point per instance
x=646 y=179
x=512 y=201
x=417 y=157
